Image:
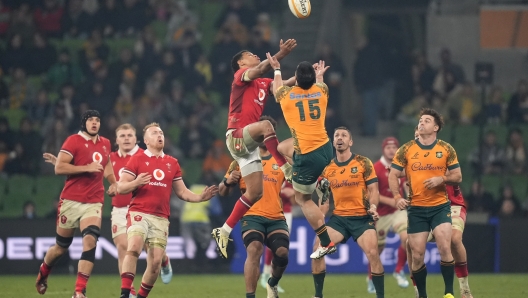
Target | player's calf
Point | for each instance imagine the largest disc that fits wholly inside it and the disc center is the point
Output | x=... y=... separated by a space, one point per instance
x=53 y=254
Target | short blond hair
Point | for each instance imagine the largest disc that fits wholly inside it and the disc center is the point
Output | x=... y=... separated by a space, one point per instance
x=153 y=124
x=125 y=126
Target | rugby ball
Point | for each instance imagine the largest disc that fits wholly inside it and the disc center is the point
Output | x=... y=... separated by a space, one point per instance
x=300 y=8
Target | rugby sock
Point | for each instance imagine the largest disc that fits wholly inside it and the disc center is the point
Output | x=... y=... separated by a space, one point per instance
x=322 y=233
x=271 y=143
x=45 y=269
x=461 y=272
x=82 y=280
x=127 y=278
x=241 y=207
x=144 y=290
x=413 y=281
x=448 y=273
x=319 y=283
x=166 y=262
x=250 y=295
x=402 y=258
x=273 y=281
x=379 y=284
x=420 y=277
x=133 y=291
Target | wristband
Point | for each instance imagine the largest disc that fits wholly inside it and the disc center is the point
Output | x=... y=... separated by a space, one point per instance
x=277 y=71
x=375 y=207
x=227 y=184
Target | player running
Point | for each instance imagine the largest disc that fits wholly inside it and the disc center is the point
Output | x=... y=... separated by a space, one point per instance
x=84 y=158
x=151 y=175
x=287 y=195
x=304 y=109
x=458 y=217
x=263 y=223
x=249 y=94
x=354 y=186
x=425 y=161
x=390 y=217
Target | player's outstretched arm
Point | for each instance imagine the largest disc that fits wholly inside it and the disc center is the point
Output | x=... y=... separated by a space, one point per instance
x=374 y=198
x=264 y=66
x=320 y=70
x=110 y=177
x=50 y=158
x=63 y=166
x=186 y=195
x=277 y=78
x=127 y=183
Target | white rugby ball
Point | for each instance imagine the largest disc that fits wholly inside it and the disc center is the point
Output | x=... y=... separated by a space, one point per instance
x=300 y=8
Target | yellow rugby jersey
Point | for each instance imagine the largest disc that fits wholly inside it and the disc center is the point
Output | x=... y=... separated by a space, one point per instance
x=270 y=205
x=422 y=162
x=348 y=182
x=305 y=113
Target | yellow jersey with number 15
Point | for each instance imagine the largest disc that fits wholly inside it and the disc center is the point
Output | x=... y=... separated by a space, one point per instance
x=305 y=113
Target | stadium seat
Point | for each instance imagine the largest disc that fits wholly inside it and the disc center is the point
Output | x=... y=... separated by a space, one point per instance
x=192 y=170
x=492 y=184
x=20 y=188
x=14 y=117
x=160 y=29
x=465 y=140
x=519 y=185
x=173 y=132
x=405 y=132
x=49 y=188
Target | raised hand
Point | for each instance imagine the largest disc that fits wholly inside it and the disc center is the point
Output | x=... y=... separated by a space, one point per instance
x=208 y=193
x=50 y=158
x=320 y=68
x=287 y=46
x=94 y=167
x=274 y=63
x=143 y=179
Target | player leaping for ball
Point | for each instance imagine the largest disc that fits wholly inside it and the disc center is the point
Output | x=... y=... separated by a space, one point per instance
x=249 y=93
x=304 y=109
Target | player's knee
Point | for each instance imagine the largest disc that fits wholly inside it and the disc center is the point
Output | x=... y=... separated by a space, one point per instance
x=91 y=230
x=253 y=237
x=372 y=253
x=63 y=243
x=267 y=126
x=88 y=255
x=279 y=244
x=282 y=252
x=255 y=249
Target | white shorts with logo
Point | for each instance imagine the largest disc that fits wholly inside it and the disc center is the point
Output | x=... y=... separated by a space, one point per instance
x=70 y=213
x=119 y=221
x=153 y=229
x=397 y=222
x=244 y=150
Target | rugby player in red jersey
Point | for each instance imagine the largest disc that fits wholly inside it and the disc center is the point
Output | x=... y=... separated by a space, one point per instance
x=84 y=158
x=151 y=176
x=249 y=94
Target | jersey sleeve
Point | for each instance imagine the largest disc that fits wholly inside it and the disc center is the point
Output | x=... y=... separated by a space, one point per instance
x=177 y=172
x=452 y=159
x=70 y=146
x=399 y=162
x=369 y=174
x=282 y=92
x=239 y=77
x=323 y=87
x=132 y=166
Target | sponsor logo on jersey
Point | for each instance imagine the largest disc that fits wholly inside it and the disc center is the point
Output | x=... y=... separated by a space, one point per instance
x=137 y=218
x=439 y=154
x=97 y=157
x=354 y=170
x=297 y=96
x=158 y=174
x=275 y=166
x=417 y=166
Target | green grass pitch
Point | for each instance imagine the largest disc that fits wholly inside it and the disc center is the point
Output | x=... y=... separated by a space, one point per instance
x=296 y=286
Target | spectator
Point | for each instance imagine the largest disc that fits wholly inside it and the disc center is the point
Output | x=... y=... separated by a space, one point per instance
x=466 y=105
x=236 y=7
x=20 y=90
x=258 y=45
x=508 y=204
x=132 y=18
x=448 y=66
x=492 y=156
x=147 y=50
x=515 y=113
x=107 y=18
x=202 y=68
x=28 y=210
x=94 y=52
x=175 y=107
x=56 y=137
x=169 y=66
x=64 y=71
x=334 y=75
x=32 y=144
x=126 y=62
x=60 y=112
x=369 y=75
x=124 y=107
x=515 y=153
x=197 y=138
x=109 y=125
x=40 y=109
x=4 y=155
x=188 y=50
x=48 y=18
x=223 y=50
x=76 y=23
x=16 y=55
x=423 y=74
x=5 y=17
x=101 y=99
x=446 y=85
x=4 y=92
x=217 y=161
x=410 y=112
x=479 y=200
x=6 y=134
x=493 y=112
x=42 y=55
x=22 y=23
x=267 y=32
x=523 y=108
x=237 y=29
x=181 y=21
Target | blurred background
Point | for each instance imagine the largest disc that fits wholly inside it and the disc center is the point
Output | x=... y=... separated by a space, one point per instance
x=168 y=61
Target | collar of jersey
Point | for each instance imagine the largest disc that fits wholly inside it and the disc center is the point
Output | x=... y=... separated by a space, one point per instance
x=426 y=147
x=86 y=137
x=150 y=154
x=267 y=157
x=131 y=152
x=342 y=164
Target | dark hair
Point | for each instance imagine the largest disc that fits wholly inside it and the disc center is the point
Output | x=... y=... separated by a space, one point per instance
x=305 y=75
x=438 y=119
x=234 y=61
x=266 y=117
x=343 y=128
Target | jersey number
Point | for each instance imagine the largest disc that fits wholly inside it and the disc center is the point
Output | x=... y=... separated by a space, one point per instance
x=315 y=111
